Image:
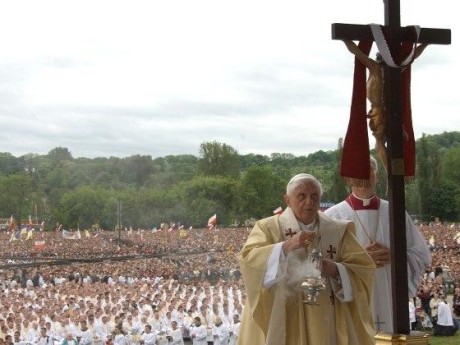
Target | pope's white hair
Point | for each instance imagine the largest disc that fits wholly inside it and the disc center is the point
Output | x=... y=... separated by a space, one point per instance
x=303 y=178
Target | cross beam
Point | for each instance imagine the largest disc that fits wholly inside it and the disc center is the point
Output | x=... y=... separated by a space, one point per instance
x=356 y=32
x=393 y=109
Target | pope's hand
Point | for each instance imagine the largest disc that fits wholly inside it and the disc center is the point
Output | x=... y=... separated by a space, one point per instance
x=329 y=268
x=379 y=253
x=300 y=240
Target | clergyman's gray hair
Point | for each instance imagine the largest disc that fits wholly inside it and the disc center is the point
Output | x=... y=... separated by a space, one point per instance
x=299 y=179
x=374 y=164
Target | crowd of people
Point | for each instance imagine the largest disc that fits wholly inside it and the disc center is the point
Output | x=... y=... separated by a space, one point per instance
x=444 y=242
x=151 y=287
x=110 y=287
x=199 y=254
x=119 y=311
x=442 y=280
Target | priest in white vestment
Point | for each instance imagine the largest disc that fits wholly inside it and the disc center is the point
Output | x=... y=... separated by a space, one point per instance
x=148 y=337
x=371 y=217
x=235 y=330
x=273 y=261
x=446 y=325
x=175 y=335
x=198 y=333
x=220 y=332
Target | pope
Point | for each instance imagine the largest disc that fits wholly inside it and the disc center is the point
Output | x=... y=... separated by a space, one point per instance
x=273 y=262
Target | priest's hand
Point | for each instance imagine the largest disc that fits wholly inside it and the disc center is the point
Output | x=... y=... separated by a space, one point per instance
x=329 y=268
x=379 y=253
x=301 y=239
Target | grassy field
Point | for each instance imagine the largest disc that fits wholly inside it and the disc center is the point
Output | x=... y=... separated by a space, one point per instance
x=455 y=340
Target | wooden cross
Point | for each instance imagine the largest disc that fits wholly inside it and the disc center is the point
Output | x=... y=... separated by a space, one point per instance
x=394 y=134
x=331 y=251
x=289 y=232
x=378 y=323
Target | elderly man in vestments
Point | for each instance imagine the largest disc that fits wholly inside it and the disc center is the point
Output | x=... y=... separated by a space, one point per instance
x=371 y=217
x=272 y=262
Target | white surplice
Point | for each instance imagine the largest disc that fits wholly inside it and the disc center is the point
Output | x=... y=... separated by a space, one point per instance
x=376 y=224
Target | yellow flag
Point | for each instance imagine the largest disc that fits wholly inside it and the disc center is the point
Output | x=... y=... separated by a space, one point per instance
x=30 y=234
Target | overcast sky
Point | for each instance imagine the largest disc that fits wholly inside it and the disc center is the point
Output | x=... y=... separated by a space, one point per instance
x=159 y=77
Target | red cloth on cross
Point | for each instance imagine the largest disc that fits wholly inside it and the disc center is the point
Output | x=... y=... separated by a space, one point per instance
x=355 y=164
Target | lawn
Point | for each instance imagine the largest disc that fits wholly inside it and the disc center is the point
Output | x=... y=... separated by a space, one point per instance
x=455 y=340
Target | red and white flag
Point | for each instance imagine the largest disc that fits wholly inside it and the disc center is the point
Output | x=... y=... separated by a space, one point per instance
x=12 y=223
x=40 y=245
x=212 y=222
x=278 y=210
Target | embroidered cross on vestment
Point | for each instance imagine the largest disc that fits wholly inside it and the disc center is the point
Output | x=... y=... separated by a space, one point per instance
x=331 y=251
x=289 y=232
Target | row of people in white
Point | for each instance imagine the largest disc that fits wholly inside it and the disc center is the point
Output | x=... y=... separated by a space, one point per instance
x=101 y=326
x=221 y=301
x=219 y=333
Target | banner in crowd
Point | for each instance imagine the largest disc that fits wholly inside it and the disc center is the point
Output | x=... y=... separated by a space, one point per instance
x=15 y=235
x=23 y=234
x=40 y=245
x=69 y=235
x=30 y=234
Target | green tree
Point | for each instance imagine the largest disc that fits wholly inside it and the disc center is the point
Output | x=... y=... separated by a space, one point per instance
x=171 y=170
x=154 y=190
x=451 y=165
x=322 y=158
x=446 y=139
x=9 y=164
x=444 y=202
x=284 y=165
x=203 y=196
x=424 y=171
x=253 y=159
x=105 y=173
x=15 y=195
x=60 y=154
x=137 y=169
x=217 y=159
x=412 y=199
x=262 y=191
x=145 y=208
x=54 y=184
x=338 y=190
x=87 y=206
x=382 y=182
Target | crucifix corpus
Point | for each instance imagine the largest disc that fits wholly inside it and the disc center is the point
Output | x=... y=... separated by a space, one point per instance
x=388 y=91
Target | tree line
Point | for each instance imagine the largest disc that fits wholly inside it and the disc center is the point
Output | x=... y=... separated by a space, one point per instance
x=141 y=191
